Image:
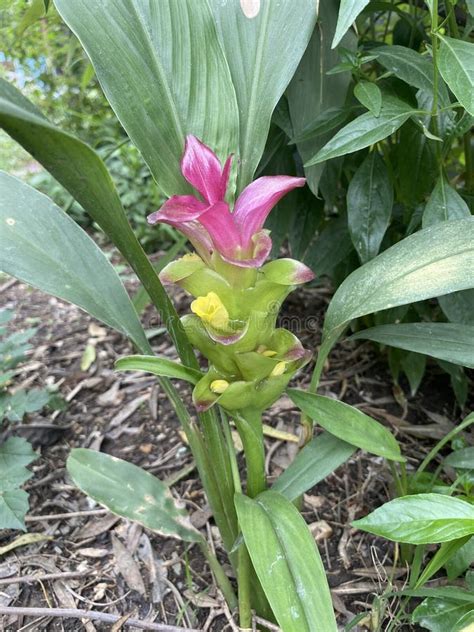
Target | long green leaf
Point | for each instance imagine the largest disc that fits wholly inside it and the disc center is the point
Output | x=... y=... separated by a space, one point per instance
x=44 y=247
x=432 y=262
x=348 y=423
x=324 y=454
x=421 y=519
x=158 y=366
x=259 y=75
x=348 y=13
x=163 y=71
x=312 y=92
x=459 y=306
x=365 y=130
x=130 y=492
x=369 y=206
x=370 y=95
x=445 y=341
x=456 y=65
x=80 y=170
x=287 y=563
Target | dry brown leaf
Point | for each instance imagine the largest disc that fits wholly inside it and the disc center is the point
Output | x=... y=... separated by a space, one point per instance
x=127 y=566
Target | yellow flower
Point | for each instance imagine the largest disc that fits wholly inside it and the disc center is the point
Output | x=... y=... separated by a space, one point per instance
x=190 y=256
x=219 y=386
x=278 y=369
x=211 y=310
x=268 y=353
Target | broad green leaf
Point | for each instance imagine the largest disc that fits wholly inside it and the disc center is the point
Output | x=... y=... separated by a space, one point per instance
x=462 y=459
x=130 y=492
x=324 y=454
x=414 y=366
x=259 y=75
x=160 y=89
x=348 y=12
x=16 y=451
x=465 y=623
x=287 y=563
x=440 y=615
x=13 y=508
x=459 y=381
x=369 y=206
x=453 y=593
x=323 y=123
x=451 y=342
x=369 y=95
x=444 y=203
x=53 y=254
x=312 y=93
x=432 y=262
x=416 y=165
x=456 y=65
x=330 y=248
x=458 y=306
x=421 y=519
x=348 y=423
x=80 y=170
x=439 y=559
x=365 y=130
x=13 y=477
x=158 y=366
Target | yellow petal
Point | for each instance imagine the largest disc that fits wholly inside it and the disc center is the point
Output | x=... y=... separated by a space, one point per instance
x=278 y=369
x=219 y=386
x=211 y=310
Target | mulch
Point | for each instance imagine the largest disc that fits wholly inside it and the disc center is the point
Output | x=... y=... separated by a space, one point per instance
x=98 y=562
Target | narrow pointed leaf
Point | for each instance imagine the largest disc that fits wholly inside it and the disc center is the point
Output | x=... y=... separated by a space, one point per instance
x=456 y=65
x=458 y=306
x=365 y=130
x=348 y=423
x=324 y=454
x=348 y=12
x=369 y=206
x=445 y=341
x=421 y=519
x=158 y=366
x=444 y=203
x=287 y=563
x=369 y=95
x=130 y=492
x=259 y=75
x=160 y=90
x=41 y=245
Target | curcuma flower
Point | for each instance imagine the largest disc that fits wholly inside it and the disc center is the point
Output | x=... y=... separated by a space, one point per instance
x=209 y=224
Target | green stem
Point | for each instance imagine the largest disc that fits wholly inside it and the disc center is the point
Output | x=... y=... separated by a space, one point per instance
x=249 y=425
x=468 y=162
x=431 y=455
x=434 y=46
x=245 y=610
x=221 y=578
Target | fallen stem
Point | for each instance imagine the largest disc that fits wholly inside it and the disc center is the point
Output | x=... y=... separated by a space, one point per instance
x=92 y=615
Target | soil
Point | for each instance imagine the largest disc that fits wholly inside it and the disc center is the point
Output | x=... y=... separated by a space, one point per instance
x=119 y=567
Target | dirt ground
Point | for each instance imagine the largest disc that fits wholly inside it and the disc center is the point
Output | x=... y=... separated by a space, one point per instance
x=102 y=563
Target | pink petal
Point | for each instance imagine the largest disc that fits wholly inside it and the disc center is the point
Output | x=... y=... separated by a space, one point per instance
x=179 y=208
x=257 y=200
x=219 y=223
x=262 y=245
x=202 y=168
x=197 y=235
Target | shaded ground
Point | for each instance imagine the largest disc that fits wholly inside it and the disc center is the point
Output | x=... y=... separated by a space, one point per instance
x=120 y=568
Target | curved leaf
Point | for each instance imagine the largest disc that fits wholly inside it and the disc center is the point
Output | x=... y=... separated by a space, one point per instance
x=421 y=519
x=287 y=563
x=259 y=75
x=321 y=456
x=369 y=94
x=130 y=492
x=158 y=366
x=444 y=204
x=172 y=81
x=432 y=262
x=348 y=423
x=451 y=342
x=44 y=247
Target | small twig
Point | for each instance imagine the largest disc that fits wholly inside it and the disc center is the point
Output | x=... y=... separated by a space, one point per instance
x=73 y=613
x=267 y=624
x=28 y=579
x=65 y=516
